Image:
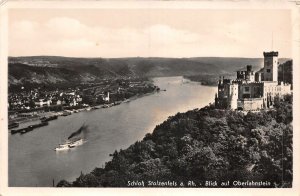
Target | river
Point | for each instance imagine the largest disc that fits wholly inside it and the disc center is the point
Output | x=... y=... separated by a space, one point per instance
x=33 y=161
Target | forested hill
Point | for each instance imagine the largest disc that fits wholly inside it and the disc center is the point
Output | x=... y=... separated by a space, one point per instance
x=56 y=69
x=206 y=144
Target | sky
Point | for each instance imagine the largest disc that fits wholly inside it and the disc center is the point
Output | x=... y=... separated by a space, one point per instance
x=149 y=32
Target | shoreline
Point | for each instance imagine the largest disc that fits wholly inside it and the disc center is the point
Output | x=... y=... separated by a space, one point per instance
x=132 y=98
x=87 y=109
x=99 y=173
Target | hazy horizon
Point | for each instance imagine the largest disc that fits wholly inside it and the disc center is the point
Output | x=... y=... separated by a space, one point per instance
x=91 y=57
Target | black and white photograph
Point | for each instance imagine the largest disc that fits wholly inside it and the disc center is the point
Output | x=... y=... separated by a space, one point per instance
x=149 y=97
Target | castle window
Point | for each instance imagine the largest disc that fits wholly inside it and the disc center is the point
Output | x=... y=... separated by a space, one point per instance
x=247 y=89
x=268 y=70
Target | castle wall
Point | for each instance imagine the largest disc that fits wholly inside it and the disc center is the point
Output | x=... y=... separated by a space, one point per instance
x=250 y=90
x=259 y=76
x=274 y=89
x=287 y=89
x=251 y=104
x=270 y=88
x=233 y=96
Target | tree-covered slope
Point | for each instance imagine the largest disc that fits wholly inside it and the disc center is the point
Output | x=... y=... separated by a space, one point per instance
x=206 y=144
x=285 y=72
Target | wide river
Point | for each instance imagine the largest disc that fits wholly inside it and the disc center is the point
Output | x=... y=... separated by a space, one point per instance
x=33 y=161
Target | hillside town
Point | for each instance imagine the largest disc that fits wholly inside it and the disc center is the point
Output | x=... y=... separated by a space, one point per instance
x=33 y=103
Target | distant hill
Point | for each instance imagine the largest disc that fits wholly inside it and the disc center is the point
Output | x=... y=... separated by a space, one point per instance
x=57 y=69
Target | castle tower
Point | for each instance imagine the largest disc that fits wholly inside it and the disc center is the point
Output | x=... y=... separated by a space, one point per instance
x=270 y=66
x=233 y=96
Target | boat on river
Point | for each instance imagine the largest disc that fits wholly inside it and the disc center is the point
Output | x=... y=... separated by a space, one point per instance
x=63 y=148
x=22 y=130
x=69 y=144
x=29 y=128
x=46 y=119
x=126 y=101
x=66 y=113
x=13 y=125
x=76 y=143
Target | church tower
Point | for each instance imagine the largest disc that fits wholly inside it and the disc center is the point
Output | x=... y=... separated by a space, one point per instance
x=271 y=66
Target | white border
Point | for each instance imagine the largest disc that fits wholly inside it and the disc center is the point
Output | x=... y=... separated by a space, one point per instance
x=5 y=190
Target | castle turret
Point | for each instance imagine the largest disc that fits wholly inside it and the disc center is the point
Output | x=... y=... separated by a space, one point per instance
x=233 y=95
x=249 y=68
x=247 y=75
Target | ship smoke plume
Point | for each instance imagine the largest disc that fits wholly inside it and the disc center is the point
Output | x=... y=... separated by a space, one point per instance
x=83 y=128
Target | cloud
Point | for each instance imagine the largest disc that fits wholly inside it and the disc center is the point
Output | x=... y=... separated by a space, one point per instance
x=167 y=35
x=23 y=29
x=68 y=36
x=64 y=23
x=25 y=25
x=63 y=27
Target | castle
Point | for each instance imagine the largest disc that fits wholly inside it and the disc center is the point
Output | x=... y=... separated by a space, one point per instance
x=253 y=91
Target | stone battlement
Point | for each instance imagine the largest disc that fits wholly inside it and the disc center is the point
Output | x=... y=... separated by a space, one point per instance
x=270 y=54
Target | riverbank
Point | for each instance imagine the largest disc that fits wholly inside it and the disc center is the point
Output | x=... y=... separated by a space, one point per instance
x=67 y=112
x=208 y=79
x=108 y=129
